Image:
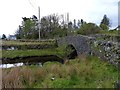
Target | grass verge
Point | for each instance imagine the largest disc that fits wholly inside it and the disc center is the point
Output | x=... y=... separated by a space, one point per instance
x=15 y=53
x=82 y=72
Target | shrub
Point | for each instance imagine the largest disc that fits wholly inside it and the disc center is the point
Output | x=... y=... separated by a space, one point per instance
x=89 y=28
x=104 y=27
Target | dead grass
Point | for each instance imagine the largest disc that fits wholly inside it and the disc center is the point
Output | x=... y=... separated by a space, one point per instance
x=18 y=77
x=39 y=73
x=27 y=76
x=82 y=57
x=82 y=68
x=12 y=79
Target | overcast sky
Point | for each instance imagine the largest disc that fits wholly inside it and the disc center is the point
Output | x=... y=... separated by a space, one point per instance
x=12 y=11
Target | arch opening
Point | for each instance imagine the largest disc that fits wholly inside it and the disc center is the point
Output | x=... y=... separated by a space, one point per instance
x=71 y=52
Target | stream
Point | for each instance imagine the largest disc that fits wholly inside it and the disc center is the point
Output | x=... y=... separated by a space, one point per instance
x=29 y=60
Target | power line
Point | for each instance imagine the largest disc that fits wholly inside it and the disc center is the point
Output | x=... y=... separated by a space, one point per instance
x=38 y=16
x=31 y=4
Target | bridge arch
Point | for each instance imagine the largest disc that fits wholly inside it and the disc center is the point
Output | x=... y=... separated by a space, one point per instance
x=79 y=42
x=71 y=51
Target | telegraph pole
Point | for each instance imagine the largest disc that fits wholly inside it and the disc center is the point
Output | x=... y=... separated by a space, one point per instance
x=39 y=21
x=119 y=15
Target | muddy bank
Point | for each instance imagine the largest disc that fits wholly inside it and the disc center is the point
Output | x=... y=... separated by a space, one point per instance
x=32 y=59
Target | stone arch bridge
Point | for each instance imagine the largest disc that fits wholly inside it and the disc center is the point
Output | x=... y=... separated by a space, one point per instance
x=104 y=48
x=80 y=43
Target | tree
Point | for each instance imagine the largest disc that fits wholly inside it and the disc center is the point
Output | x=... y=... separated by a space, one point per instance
x=58 y=32
x=105 y=23
x=78 y=24
x=82 y=22
x=74 y=24
x=104 y=27
x=17 y=33
x=70 y=25
x=50 y=26
x=4 y=36
x=29 y=29
x=88 y=28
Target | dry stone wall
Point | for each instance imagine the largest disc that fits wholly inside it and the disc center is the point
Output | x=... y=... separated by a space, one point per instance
x=107 y=50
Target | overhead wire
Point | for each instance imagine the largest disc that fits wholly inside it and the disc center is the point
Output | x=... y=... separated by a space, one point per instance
x=32 y=4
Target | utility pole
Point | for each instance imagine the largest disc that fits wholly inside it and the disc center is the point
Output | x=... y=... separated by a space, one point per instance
x=39 y=21
x=67 y=18
x=119 y=15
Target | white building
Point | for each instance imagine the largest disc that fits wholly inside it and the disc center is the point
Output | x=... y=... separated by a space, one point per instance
x=12 y=37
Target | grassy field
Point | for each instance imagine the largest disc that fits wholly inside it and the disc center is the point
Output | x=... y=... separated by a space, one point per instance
x=30 y=52
x=111 y=32
x=26 y=42
x=82 y=72
x=15 y=53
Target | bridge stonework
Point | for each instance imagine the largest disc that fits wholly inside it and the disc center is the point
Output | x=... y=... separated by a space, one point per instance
x=81 y=43
x=104 y=49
